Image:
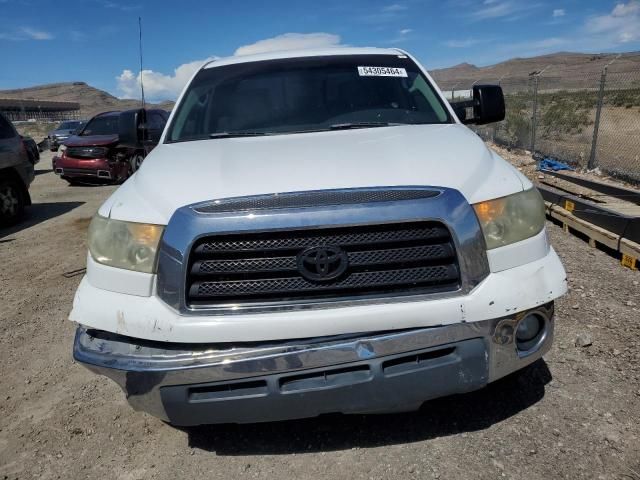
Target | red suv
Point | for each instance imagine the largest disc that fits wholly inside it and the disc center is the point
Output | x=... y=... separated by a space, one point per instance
x=96 y=154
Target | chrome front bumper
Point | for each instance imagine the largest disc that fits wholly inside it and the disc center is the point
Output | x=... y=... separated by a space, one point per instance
x=188 y=384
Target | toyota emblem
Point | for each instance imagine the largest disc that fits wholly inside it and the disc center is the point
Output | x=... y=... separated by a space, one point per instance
x=322 y=263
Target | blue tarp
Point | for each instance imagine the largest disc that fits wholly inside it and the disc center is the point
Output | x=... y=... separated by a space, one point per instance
x=551 y=164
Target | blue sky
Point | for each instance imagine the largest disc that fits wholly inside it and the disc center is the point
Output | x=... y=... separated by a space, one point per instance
x=44 y=41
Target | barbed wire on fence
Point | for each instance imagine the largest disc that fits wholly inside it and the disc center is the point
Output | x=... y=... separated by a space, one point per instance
x=588 y=120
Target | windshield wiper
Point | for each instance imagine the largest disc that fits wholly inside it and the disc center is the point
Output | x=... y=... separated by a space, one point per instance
x=349 y=125
x=236 y=134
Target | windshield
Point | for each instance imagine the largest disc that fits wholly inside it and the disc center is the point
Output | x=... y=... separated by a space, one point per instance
x=68 y=125
x=306 y=94
x=104 y=125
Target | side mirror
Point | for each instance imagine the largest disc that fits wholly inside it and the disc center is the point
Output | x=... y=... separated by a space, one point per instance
x=488 y=104
x=461 y=112
x=131 y=131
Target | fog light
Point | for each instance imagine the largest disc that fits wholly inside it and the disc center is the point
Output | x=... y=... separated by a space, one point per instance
x=529 y=331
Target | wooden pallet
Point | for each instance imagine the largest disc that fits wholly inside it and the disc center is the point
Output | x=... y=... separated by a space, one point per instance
x=630 y=251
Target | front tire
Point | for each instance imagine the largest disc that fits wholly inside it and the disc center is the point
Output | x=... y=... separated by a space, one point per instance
x=11 y=202
x=136 y=161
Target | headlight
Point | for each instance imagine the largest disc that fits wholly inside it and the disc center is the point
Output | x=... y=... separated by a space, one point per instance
x=62 y=148
x=128 y=245
x=510 y=219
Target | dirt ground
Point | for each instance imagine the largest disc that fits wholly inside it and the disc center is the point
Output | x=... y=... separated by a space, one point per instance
x=575 y=415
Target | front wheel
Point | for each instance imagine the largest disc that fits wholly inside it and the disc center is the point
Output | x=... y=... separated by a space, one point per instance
x=136 y=161
x=11 y=202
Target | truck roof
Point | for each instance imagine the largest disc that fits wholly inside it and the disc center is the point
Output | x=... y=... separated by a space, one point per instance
x=303 y=53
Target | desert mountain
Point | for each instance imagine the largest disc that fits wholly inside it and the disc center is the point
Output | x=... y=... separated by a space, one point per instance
x=564 y=67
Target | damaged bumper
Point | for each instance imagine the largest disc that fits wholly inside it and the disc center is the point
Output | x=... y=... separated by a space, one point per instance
x=189 y=384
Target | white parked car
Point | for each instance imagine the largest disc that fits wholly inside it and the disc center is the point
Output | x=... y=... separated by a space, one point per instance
x=316 y=232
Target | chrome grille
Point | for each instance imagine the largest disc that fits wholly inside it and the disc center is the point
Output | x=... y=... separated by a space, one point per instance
x=86 y=152
x=383 y=260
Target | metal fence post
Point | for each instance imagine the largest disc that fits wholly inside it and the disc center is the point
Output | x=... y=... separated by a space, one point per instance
x=596 y=126
x=494 y=133
x=535 y=113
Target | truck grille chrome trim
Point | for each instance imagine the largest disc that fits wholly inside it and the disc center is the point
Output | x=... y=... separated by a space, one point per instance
x=426 y=244
x=314 y=199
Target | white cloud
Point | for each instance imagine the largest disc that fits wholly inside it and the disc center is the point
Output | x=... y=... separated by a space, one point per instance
x=558 y=12
x=631 y=8
x=622 y=25
x=402 y=36
x=291 y=41
x=125 y=7
x=26 y=33
x=466 y=43
x=160 y=86
x=396 y=7
x=157 y=86
x=34 y=34
x=502 y=8
x=387 y=14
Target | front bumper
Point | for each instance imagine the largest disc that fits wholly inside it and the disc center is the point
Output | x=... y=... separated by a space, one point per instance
x=267 y=381
x=83 y=168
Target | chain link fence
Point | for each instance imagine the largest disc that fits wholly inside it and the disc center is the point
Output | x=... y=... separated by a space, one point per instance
x=589 y=121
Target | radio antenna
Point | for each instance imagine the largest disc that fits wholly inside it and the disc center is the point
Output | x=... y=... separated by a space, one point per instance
x=140 y=44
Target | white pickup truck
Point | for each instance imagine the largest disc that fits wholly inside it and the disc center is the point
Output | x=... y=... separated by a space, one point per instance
x=316 y=232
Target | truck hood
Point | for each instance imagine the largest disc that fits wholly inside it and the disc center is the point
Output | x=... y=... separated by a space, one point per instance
x=61 y=132
x=179 y=174
x=91 y=140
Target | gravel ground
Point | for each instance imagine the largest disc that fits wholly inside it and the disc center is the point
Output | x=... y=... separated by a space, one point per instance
x=574 y=415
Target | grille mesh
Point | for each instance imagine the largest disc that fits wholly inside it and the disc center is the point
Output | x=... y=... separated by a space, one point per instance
x=302 y=240
x=383 y=260
x=314 y=199
x=298 y=284
x=86 y=152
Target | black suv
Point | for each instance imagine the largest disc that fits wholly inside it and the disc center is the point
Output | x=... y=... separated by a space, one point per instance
x=16 y=174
